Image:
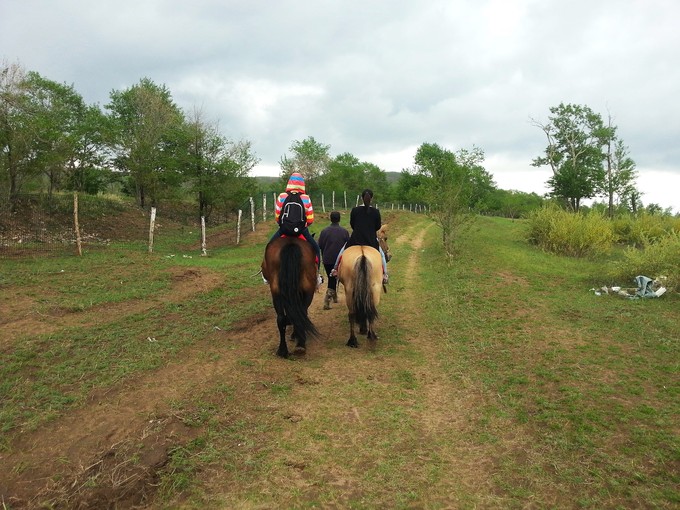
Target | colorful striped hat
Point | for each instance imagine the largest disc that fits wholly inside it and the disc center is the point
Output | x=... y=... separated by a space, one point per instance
x=296 y=183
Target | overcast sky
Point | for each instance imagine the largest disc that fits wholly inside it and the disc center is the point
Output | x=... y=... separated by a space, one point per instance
x=379 y=78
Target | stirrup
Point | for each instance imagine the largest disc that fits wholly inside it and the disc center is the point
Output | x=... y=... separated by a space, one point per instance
x=386 y=278
x=334 y=272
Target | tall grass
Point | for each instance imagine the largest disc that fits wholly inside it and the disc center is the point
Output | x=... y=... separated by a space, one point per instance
x=644 y=229
x=660 y=259
x=557 y=231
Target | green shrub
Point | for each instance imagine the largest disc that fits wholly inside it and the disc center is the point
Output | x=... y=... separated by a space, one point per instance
x=557 y=231
x=644 y=229
x=654 y=260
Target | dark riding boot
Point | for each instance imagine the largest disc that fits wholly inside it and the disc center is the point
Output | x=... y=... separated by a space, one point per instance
x=327 y=300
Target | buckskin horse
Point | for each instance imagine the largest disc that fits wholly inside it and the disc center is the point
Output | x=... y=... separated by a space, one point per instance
x=290 y=268
x=360 y=272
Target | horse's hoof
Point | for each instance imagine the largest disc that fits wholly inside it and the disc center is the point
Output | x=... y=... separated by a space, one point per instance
x=352 y=342
x=282 y=354
x=300 y=350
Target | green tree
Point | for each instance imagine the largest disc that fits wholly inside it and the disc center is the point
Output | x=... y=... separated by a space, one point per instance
x=347 y=173
x=235 y=183
x=47 y=129
x=68 y=133
x=512 y=203
x=145 y=134
x=480 y=182
x=216 y=169
x=375 y=178
x=412 y=187
x=619 y=179
x=309 y=157
x=576 y=136
x=85 y=170
x=17 y=133
x=202 y=166
x=451 y=187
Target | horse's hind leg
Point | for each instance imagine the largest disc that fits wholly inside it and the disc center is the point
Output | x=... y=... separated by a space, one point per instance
x=300 y=343
x=352 y=342
x=371 y=335
x=283 y=346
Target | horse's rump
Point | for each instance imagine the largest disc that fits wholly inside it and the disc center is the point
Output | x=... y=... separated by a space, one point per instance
x=289 y=262
x=360 y=272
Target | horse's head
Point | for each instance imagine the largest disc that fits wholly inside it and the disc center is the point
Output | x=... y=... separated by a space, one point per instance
x=382 y=240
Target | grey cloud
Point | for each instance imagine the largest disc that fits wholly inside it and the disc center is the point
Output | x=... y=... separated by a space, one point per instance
x=375 y=77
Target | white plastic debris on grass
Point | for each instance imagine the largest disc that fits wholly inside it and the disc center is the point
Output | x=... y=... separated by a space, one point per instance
x=646 y=288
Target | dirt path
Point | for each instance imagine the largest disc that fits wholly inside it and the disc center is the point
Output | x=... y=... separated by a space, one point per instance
x=446 y=407
x=93 y=446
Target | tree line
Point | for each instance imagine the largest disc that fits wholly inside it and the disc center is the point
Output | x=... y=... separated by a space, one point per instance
x=51 y=140
x=141 y=143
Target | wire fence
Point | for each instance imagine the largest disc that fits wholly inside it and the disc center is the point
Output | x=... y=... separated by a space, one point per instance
x=324 y=202
x=261 y=208
x=42 y=224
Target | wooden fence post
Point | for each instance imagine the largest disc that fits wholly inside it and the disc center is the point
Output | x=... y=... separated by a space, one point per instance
x=75 y=223
x=264 y=207
x=152 y=226
x=252 y=213
x=323 y=202
x=333 y=203
x=204 y=252
x=345 y=193
x=238 y=227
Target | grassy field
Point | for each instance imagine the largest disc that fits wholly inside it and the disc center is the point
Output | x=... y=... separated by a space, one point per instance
x=499 y=381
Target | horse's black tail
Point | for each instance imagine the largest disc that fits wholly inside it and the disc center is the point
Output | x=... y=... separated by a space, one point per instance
x=292 y=298
x=365 y=311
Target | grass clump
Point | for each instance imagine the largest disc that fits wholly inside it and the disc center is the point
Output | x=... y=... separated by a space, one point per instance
x=644 y=229
x=660 y=259
x=557 y=231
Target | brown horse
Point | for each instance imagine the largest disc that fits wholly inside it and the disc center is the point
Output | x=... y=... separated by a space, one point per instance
x=382 y=241
x=289 y=267
x=360 y=272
